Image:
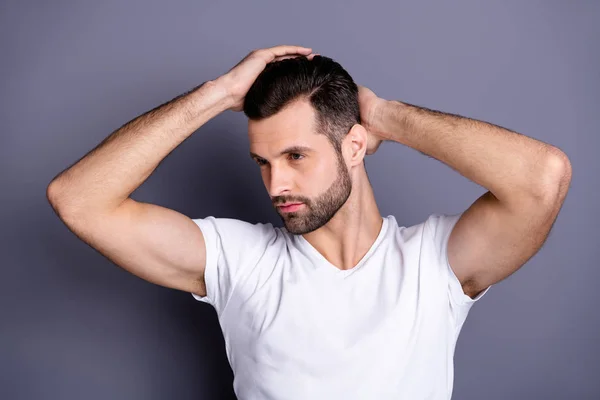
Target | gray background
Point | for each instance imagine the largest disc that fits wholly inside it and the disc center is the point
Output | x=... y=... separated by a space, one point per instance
x=75 y=326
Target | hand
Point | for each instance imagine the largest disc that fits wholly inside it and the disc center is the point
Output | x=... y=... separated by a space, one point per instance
x=238 y=80
x=370 y=110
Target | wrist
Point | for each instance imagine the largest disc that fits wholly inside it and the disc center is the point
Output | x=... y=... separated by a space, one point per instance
x=214 y=92
x=223 y=84
x=389 y=119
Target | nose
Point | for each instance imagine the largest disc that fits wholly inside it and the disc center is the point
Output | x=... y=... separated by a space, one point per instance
x=279 y=180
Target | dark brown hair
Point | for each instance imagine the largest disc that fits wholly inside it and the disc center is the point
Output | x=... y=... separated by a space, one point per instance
x=329 y=88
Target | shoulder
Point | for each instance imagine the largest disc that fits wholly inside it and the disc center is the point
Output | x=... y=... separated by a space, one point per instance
x=235 y=226
x=439 y=225
x=231 y=232
x=434 y=229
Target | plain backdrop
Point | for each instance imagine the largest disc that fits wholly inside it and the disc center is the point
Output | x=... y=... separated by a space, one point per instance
x=76 y=326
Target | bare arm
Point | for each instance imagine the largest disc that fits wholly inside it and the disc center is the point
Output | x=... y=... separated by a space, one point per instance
x=92 y=196
x=527 y=182
x=104 y=178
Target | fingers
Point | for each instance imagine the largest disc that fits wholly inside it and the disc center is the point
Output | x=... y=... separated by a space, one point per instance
x=310 y=56
x=285 y=50
x=291 y=56
x=281 y=52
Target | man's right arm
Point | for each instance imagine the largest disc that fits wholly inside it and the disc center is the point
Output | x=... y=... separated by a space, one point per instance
x=92 y=196
x=154 y=243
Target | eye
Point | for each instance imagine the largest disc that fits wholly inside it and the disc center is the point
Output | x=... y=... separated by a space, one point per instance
x=296 y=156
x=260 y=161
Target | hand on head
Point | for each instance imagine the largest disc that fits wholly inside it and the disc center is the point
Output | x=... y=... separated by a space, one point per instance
x=238 y=80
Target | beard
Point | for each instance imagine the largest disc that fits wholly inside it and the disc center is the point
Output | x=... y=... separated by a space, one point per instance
x=318 y=211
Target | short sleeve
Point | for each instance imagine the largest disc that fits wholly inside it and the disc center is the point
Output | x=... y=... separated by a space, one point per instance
x=232 y=247
x=442 y=225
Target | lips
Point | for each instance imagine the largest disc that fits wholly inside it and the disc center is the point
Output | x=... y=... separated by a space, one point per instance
x=289 y=207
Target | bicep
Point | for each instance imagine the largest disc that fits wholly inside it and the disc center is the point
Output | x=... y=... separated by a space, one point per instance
x=491 y=241
x=157 y=244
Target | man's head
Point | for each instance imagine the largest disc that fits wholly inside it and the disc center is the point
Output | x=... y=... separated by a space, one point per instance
x=300 y=114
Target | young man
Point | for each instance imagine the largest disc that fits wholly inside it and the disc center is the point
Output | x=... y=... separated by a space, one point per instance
x=340 y=302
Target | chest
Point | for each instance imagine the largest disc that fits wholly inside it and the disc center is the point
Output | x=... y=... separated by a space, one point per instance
x=311 y=322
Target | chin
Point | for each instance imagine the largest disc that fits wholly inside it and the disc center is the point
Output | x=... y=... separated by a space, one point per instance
x=297 y=231
x=297 y=226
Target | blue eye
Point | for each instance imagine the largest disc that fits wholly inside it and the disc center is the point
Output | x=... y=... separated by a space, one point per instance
x=293 y=156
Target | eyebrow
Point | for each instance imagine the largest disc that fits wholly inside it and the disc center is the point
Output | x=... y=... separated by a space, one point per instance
x=291 y=149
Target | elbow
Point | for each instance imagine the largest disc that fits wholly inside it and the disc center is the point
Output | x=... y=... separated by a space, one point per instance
x=53 y=194
x=557 y=178
x=58 y=197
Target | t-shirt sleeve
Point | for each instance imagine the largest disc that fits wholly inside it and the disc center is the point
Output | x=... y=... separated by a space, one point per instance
x=232 y=247
x=442 y=225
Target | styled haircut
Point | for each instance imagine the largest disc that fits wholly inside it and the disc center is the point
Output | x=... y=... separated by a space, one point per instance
x=329 y=88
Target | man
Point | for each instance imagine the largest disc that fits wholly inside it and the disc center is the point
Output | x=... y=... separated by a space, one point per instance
x=340 y=302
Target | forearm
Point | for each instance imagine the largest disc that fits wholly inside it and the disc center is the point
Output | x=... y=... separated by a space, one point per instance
x=109 y=173
x=510 y=165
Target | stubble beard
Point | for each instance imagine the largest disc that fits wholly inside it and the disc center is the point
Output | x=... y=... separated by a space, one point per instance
x=317 y=212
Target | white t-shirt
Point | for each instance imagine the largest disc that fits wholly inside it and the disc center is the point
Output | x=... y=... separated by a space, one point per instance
x=297 y=327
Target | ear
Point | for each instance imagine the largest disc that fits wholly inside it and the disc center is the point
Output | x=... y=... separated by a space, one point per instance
x=355 y=144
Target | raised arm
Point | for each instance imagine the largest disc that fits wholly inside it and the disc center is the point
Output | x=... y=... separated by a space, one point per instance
x=527 y=182
x=91 y=197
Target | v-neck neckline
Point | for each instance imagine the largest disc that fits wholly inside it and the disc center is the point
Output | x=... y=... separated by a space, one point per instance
x=325 y=265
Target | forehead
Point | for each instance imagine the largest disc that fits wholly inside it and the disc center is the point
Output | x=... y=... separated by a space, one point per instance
x=293 y=125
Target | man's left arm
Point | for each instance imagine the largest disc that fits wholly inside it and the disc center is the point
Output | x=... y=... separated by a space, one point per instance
x=527 y=182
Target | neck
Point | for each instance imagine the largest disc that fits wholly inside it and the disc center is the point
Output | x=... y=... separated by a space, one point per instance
x=349 y=235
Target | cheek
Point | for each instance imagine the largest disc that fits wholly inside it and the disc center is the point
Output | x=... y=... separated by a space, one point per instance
x=319 y=177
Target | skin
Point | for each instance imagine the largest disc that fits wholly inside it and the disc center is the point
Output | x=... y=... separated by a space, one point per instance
x=340 y=217
x=347 y=234
x=527 y=182
x=158 y=244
